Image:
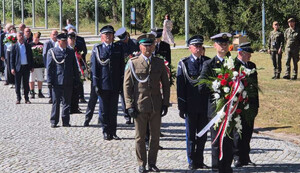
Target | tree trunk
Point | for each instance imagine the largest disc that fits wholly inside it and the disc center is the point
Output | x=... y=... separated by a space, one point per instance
x=114 y=11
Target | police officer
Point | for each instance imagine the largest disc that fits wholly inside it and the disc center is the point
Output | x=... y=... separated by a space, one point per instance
x=62 y=71
x=108 y=68
x=221 y=44
x=275 y=46
x=292 y=40
x=75 y=90
x=129 y=46
x=144 y=101
x=192 y=103
x=242 y=143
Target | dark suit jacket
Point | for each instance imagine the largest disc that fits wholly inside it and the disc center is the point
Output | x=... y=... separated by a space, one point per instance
x=190 y=99
x=207 y=71
x=108 y=77
x=164 y=50
x=2 y=52
x=81 y=46
x=15 y=56
x=47 y=45
x=253 y=88
x=65 y=74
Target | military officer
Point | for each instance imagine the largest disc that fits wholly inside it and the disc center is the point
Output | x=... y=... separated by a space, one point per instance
x=130 y=46
x=192 y=104
x=242 y=143
x=292 y=40
x=221 y=44
x=62 y=71
x=108 y=68
x=143 y=76
x=275 y=46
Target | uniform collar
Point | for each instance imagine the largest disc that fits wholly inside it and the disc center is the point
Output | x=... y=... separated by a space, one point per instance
x=220 y=58
x=196 y=57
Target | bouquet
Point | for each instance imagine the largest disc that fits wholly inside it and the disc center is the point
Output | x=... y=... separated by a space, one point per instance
x=9 y=40
x=82 y=65
x=134 y=54
x=37 y=53
x=231 y=94
x=170 y=69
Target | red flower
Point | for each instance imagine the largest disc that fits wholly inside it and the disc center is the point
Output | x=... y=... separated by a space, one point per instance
x=13 y=39
x=238 y=111
x=241 y=98
x=227 y=97
x=244 y=73
x=246 y=100
x=245 y=83
x=230 y=83
x=223 y=82
x=220 y=76
x=226 y=75
x=9 y=37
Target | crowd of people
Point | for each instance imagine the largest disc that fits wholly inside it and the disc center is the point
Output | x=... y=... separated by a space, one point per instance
x=136 y=70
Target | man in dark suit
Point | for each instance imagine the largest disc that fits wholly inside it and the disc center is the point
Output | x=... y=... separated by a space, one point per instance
x=21 y=65
x=242 y=143
x=80 y=47
x=192 y=103
x=129 y=47
x=28 y=35
x=108 y=68
x=221 y=45
x=62 y=71
x=48 y=45
x=161 y=48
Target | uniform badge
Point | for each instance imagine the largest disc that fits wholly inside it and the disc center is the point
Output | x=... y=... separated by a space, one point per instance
x=218 y=62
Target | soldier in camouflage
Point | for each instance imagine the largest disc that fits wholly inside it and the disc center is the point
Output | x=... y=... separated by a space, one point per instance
x=292 y=40
x=275 y=46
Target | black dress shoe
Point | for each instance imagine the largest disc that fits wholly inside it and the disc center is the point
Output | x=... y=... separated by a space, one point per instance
x=115 y=137
x=192 y=167
x=76 y=111
x=202 y=166
x=286 y=77
x=41 y=95
x=274 y=77
x=153 y=168
x=294 y=78
x=66 y=125
x=142 y=169
x=248 y=163
x=106 y=137
x=54 y=125
x=160 y=147
x=50 y=101
x=18 y=102
x=237 y=164
x=86 y=124
x=27 y=102
x=82 y=100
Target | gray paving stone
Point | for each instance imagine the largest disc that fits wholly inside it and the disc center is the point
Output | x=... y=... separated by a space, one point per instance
x=28 y=144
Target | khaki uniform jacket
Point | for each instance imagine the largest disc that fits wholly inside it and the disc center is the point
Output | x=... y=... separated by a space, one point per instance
x=146 y=97
x=276 y=41
x=292 y=39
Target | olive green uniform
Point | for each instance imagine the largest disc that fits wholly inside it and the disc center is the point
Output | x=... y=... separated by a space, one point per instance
x=275 y=43
x=147 y=99
x=292 y=50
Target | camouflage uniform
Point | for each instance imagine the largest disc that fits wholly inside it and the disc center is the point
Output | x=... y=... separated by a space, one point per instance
x=275 y=43
x=292 y=51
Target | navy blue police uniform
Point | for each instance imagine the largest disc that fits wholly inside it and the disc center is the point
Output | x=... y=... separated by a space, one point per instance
x=192 y=104
x=62 y=71
x=241 y=148
x=223 y=165
x=129 y=47
x=108 y=69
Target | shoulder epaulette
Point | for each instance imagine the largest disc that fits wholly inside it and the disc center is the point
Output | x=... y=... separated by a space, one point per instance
x=185 y=58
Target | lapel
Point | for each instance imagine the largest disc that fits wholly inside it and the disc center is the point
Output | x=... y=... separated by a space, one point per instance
x=143 y=62
x=18 y=55
x=218 y=63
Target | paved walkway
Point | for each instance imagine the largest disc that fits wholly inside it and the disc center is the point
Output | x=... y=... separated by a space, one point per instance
x=28 y=144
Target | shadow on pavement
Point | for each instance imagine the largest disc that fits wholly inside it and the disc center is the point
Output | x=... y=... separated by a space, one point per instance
x=286 y=167
x=270 y=128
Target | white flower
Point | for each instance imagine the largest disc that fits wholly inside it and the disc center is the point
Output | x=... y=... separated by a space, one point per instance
x=247 y=71
x=229 y=63
x=234 y=78
x=244 y=94
x=235 y=98
x=216 y=85
x=241 y=88
x=246 y=107
x=217 y=96
x=235 y=73
x=226 y=89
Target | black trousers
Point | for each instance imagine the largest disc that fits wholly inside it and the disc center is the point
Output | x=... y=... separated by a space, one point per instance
x=91 y=104
x=242 y=145
x=22 y=76
x=75 y=98
x=224 y=165
x=108 y=110
x=61 y=94
x=194 y=123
